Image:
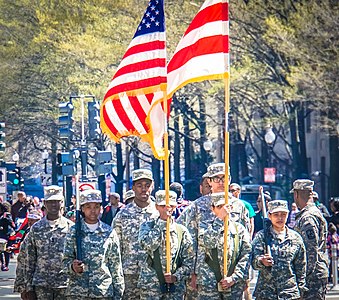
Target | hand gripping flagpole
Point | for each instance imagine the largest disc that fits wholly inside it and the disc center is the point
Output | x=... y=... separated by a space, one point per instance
x=226 y=150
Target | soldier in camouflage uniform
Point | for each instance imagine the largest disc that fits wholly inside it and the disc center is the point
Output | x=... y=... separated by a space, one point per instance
x=127 y=223
x=99 y=274
x=312 y=226
x=45 y=243
x=199 y=214
x=152 y=238
x=281 y=274
x=239 y=250
x=20 y=277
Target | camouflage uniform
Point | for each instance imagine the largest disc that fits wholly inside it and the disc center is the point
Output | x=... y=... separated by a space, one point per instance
x=45 y=243
x=20 y=276
x=238 y=256
x=103 y=276
x=312 y=226
x=127 y=223
x=286 y=278
x=152 y=236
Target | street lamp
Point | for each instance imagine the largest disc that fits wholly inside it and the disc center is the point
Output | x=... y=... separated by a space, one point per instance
x=208 y=145
x=44 y=156
x=269 y=139
x=15 y=157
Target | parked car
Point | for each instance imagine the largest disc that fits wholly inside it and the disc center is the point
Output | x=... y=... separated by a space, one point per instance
x=250 y=193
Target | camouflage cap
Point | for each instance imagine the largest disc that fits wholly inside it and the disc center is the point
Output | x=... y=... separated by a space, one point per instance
x=215 y=169
x=114 y=194
x=315 y=195
x=160 y=198
x=277 y=205
x=53 y=192
x=302 y=185
x=90 y=196
x=142 y=174
x=219 y=198
x=129 y=194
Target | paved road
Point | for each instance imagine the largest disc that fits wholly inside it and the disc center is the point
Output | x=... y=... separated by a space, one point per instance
x=7 y=282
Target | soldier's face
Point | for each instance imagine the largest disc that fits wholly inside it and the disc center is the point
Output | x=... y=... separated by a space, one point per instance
x=142 y=189
x=278 y=219
x=205 y=188
x=91 y=212
x=217 y=183
x=53 y=208
x=165 y=211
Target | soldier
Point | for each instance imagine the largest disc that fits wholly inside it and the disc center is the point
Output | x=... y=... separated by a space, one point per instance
x=281 y=274
x=239 y=249
x=129 y=197
x=20 y=278
x=127 y=223
x=153 y=281
x=45 y=243
x=312 y=226
x=199 y=214
x=99 y=274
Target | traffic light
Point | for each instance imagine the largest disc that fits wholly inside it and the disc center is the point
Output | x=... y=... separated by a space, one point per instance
x=66 y=120
x=102 y=162
x=2 y=137
x=14 y=177
x=65 y=163
x=94 y=130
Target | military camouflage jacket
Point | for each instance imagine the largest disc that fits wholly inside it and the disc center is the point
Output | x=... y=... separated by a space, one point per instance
x=20 y=276
x=152 y=236
x=286 y=278
x=312 y=226
x=103 y=275
x=238 y=256
x=127 y=223
x=45 y=245
x=239 y=213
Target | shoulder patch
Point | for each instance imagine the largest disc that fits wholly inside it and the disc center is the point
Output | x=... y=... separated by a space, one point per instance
x=310 y=234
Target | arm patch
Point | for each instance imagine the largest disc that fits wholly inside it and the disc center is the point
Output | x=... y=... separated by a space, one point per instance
x=310 y=234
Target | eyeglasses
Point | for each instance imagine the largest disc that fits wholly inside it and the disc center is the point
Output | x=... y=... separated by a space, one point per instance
x=232 y=191
x=218 y=179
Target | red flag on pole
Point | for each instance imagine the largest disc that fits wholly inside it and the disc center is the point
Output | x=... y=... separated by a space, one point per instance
x=202 y=53
x=132 y=104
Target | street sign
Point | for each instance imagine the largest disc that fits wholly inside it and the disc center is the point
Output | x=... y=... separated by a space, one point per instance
x=87 y=186
x=3 y=180
x=269 y=175
x=46 y=179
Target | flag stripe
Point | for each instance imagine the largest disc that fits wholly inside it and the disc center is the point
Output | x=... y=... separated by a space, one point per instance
x=207 y=45
x=150 y=46
x=215 y=12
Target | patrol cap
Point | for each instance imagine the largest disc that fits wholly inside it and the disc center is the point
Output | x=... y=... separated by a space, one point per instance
x=53 y=192
x=142 y=174
x=128 y=195
x=219 y=198
x=215 y=169
x=302 y=185
x=34 y=214
x=90 y=196
x=160 y=198
x=315 y=195
x=277 y=205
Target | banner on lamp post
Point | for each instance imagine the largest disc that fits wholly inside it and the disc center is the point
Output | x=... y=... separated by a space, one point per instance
x=269 y=175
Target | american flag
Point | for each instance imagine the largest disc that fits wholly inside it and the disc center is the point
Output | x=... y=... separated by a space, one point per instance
x=203 y=51
x=133 y=102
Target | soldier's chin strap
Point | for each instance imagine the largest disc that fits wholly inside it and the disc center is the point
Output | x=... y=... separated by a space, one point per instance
x=156 y=264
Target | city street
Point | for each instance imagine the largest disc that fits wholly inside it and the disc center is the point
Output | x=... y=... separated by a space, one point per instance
x=7 y=282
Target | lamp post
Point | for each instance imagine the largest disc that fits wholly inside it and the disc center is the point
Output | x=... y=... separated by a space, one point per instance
x=269 y=139
x=44 y=156
x=208 y=147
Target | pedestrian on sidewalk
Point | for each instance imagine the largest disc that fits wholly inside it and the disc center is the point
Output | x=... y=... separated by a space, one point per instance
x=6 y=230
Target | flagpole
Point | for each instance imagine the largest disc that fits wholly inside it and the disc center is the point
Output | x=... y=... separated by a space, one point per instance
x=227 y=146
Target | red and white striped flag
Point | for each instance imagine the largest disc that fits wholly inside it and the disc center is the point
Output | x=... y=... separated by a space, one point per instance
x=133 y=102
x=203 y=51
